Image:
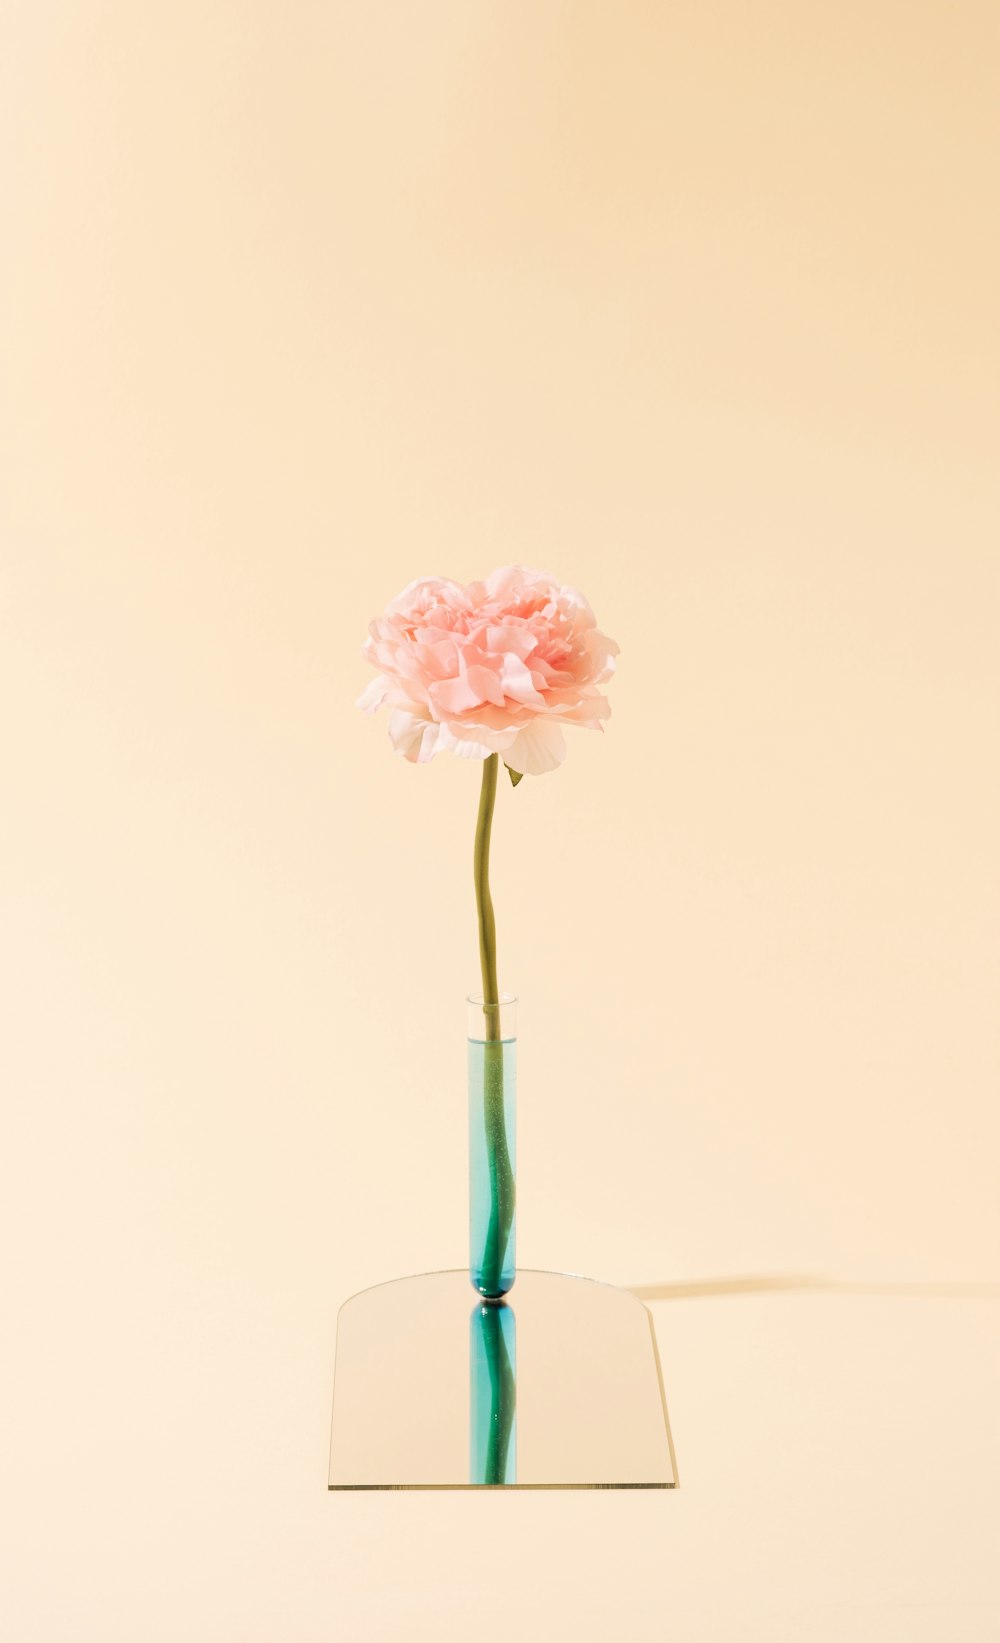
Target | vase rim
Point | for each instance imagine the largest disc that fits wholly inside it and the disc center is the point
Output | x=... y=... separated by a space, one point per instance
x=503 y=998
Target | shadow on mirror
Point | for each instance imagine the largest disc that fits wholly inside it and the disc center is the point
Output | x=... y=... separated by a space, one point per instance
x=808 y=1283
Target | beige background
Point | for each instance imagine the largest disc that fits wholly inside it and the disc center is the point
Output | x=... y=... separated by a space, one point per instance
x=693 y=304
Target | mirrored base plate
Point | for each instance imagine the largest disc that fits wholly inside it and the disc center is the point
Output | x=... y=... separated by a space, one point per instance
x=560 y=1387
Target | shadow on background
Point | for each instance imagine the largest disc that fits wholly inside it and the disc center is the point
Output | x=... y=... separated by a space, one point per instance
x=809 y=1283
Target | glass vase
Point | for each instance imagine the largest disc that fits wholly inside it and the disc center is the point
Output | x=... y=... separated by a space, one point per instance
x=492 y=1053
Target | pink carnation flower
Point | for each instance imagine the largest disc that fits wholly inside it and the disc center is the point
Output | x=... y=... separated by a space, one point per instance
x=497 y=667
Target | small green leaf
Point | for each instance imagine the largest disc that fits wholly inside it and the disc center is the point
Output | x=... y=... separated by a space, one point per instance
x=515 y=775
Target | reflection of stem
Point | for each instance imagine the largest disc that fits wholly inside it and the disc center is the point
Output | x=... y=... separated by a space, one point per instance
x=498 y=1152
x=503 y=1393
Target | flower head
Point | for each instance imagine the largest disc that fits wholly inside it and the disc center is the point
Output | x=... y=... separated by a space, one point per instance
x=496 y=667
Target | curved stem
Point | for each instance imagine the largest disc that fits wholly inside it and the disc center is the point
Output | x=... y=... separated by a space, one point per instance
x=484 y=901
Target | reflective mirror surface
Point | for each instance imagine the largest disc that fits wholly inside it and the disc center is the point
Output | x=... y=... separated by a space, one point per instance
x=557 y=1388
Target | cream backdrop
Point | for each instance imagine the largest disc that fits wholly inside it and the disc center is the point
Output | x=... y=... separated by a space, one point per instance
x=695 y=305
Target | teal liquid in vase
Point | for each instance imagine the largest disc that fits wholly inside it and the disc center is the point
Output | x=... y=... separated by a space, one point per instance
x=492 y=1155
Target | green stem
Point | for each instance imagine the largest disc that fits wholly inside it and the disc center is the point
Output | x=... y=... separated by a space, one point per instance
x=484 y=901
x=501 y=1169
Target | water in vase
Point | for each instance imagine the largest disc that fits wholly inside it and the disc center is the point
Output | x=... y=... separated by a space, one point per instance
x=492 y=1164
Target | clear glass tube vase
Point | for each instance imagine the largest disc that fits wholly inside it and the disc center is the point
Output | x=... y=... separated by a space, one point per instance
x=492 y=1052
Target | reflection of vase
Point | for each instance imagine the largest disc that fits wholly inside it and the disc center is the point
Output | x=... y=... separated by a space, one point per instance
x=493 y=1393
x=492 y=1108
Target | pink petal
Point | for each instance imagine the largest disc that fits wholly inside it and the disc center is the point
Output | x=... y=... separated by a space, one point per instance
x=519 y=641
x=518 y=683
x=487 y=683
x=454 y=695
x=476 y=741
x=539 y=747
x=414 y=737
x=373 y=695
